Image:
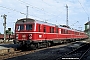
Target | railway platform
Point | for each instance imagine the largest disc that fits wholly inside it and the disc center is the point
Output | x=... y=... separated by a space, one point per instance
x=7 y=47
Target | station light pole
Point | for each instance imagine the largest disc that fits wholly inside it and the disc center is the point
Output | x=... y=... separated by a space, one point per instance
x=27 y=12
x=67 y=15
x=4 y=24
x=89 y=27
x=14 y=27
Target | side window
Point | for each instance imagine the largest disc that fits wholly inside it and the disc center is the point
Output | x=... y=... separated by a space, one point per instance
x=51 y=29
x=44 y=29
x=66 y=31
x=39 y=27
x=29 y=27
x=62 y=31
x=56 y=30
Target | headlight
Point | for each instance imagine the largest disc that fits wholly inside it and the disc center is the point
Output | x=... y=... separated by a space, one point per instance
x=24 y=36
x=16 y=36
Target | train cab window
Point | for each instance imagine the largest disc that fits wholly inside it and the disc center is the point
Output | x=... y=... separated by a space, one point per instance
x=29 y=27
x=20 y=27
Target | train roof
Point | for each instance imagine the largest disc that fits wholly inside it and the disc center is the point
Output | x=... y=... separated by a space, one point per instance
x=24 y=20
x=27 y=20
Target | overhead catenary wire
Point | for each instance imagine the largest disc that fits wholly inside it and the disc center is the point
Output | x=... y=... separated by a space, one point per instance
x=8 y=8
x=22 y=2
x=26 y=3
x=15 y=10
x=47 y=3
x=32 y=6
x=83 y=8
x=12 y=9
x=29 y=4
x=42 y=9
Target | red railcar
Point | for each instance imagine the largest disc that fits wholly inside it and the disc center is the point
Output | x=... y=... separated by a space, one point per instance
x=32 y=32
x=7 y=36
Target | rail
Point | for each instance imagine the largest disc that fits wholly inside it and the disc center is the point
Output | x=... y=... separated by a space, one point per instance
x=82 y=50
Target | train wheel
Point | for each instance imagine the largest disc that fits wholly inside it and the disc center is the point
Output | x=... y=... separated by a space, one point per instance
x=49 y=44
x=33 y=46
x=38 y=45
x=14 y=41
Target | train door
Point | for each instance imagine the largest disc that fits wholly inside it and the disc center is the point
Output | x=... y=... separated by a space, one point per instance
x=59 y=31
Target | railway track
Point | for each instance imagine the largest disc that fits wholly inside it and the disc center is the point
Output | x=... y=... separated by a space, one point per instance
x=17 y=53
x=20 y=53
x=77 y=54
x=24 y=52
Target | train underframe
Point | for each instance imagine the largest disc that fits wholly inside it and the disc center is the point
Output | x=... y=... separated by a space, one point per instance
x=46 y=43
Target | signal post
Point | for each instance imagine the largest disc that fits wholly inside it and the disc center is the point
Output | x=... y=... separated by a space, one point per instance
x=4 y=24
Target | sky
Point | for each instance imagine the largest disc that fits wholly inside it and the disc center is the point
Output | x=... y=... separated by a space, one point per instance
x=52 y=11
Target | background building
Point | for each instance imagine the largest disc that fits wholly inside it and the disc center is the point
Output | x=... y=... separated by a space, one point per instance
x=87 y=28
